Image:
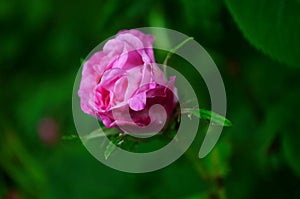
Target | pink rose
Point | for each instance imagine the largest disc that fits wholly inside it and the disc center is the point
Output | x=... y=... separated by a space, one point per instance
x=121 y=83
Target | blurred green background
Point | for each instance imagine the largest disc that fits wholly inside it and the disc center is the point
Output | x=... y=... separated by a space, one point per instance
x=256 y=46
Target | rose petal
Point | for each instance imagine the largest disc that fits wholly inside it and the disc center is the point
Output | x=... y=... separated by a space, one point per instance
x=137 y=102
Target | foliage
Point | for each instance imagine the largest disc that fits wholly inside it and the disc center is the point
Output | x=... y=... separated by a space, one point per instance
x=274 y=28
x=253 y=43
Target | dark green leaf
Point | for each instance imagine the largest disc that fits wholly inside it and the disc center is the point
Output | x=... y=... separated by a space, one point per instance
x=199 y=196
x=216 y=163
x=290 y=131
x=82 y=60
x=271 y=26
x=291 y=150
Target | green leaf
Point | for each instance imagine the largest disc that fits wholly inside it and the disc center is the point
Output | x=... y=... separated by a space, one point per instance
x=211 y=116
x=27 y=173
x=271 y=26
x=70 y=137
x=290 y=131
x=111 y=146
x=82 y=60
x=291 y=150
x=109 y=149
x=287 y=127
x=216 y=163
x=204 y=195
x=99 y=133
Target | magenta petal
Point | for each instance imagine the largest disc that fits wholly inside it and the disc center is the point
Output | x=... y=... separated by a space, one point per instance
x=110 y=77
x=138 y=102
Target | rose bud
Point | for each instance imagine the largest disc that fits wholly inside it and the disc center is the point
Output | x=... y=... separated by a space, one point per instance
x=48 y=131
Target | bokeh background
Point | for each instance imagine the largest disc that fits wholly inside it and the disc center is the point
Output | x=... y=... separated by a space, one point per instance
x=255 y=44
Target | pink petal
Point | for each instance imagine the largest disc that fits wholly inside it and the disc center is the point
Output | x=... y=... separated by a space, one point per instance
x=138 y=102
